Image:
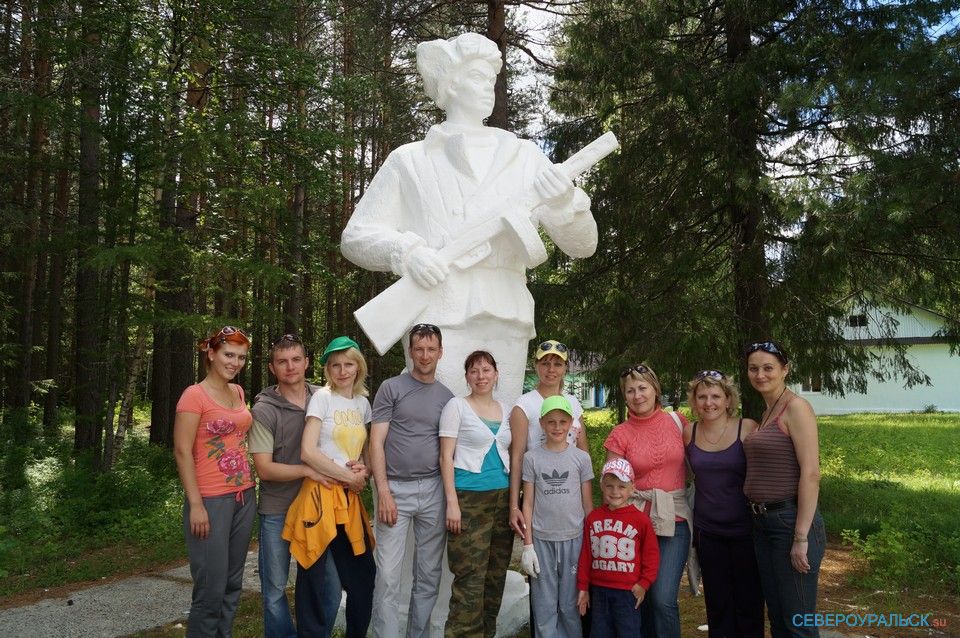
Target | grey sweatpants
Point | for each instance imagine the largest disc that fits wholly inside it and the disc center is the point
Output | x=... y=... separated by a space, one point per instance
x=553 y=594
x=420 y=504
x=216 y=562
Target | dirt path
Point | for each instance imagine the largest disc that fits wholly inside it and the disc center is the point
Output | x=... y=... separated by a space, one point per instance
x=123 y=606
x=117 y=607
x=838 y=596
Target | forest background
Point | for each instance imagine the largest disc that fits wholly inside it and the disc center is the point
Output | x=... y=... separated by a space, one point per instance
x=170 y=167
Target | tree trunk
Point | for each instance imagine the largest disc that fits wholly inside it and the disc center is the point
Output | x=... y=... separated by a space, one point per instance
x=89 y=433
x=497 y=31
x=25 y=195
x=125 y=419
x=162 y=397
x=53 y=366
x=747 y=249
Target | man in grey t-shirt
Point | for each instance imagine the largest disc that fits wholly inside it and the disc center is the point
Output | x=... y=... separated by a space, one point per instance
x=405 y=461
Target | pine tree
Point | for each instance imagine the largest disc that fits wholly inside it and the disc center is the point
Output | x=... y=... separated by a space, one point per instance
x=770 y=172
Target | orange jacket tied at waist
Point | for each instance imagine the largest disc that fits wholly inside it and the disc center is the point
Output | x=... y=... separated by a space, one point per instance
x=313 y=517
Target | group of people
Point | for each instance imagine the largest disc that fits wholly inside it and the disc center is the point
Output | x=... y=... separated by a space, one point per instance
x=470 y=473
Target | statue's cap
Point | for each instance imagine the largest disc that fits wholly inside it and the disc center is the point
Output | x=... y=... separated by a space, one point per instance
x=436 y=58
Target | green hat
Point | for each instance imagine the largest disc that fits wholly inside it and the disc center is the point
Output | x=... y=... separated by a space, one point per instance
x=556 y=402
x=338 y=344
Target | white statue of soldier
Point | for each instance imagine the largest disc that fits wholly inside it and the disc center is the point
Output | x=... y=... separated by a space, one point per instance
x=429 y=195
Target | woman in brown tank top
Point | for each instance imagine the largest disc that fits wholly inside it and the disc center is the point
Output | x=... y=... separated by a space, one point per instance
x=783 y=485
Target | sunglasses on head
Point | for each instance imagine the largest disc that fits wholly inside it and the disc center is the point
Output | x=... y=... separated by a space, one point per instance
x=639 y=369
x=766 y=346
x=424 y=328
x=227 y=331
x=547 y=346
x=285 y=338
x=709 y=374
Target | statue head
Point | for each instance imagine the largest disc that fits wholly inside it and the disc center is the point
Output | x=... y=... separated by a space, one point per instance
x=442 y=62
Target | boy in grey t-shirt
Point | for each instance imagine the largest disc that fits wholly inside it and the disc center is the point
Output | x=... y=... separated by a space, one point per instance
x=556 y=497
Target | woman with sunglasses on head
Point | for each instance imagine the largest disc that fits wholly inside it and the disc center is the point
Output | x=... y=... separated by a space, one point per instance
x=550 y=364
x=474 y=447
x=334 y=444
x=722 y=523
x=652 y=441
x=210 y=445
x=783 y=485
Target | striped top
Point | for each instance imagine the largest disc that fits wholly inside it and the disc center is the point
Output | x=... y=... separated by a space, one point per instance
x=773 y=472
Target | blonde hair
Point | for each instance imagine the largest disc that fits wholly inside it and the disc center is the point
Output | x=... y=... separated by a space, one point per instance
x=360 y=383
x=634 y=374
x=725 y=383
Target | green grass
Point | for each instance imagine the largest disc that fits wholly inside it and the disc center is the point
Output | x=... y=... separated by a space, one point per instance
x=890 y=487
x=62 y=523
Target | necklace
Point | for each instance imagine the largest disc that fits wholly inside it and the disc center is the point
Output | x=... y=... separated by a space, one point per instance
x=769 y=411
x=223 y=396
x=719 y=438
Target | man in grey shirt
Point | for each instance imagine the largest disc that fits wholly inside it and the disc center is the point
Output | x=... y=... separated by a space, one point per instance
x=405 y=460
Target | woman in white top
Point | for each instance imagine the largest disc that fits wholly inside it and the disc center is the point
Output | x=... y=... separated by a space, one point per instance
x=550 y=364
x=334 y=443
x=474 y=461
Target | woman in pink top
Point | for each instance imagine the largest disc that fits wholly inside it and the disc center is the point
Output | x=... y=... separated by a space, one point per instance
x=210 y=445
x=783 y=485
x=652 y=441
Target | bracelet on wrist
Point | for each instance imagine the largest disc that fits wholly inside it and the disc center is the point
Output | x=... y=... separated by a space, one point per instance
x=799 y=539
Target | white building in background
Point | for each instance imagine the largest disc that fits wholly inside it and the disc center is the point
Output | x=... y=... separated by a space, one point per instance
x=918 y=329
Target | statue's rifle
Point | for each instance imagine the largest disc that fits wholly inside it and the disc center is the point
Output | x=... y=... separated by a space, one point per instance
x=387 y=317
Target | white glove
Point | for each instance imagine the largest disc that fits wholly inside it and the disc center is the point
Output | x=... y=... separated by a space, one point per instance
x=425 y=266
x=529 y=561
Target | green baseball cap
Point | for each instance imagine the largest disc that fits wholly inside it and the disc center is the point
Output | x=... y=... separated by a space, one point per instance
x=556 y=402
x=338 y=344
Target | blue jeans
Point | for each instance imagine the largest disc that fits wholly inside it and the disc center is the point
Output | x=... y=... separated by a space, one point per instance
x=357 y=574
x=274 y=566
x=614 y=613
x=787 y=591
x=660 y=611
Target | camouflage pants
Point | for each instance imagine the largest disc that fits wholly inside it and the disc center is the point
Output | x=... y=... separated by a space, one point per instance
x=479 y=557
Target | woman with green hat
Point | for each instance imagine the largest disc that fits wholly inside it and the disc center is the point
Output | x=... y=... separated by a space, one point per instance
x=333 y=518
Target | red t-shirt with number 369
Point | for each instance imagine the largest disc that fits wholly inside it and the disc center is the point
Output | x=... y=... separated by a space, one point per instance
x=619 y=549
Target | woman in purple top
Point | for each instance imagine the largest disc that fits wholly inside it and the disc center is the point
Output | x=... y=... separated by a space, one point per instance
x=721 y=516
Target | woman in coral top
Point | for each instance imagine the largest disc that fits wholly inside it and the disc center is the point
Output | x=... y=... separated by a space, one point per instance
x=652 y=441
x=210 y=445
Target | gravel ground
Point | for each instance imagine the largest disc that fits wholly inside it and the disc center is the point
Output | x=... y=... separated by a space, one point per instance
x=115 y=609
x=134 y=604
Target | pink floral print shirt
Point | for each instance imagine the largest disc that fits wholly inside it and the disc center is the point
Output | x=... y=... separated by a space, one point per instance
x=220 y=449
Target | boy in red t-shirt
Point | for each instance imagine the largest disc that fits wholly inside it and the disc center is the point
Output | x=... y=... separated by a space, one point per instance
x=618 y=558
